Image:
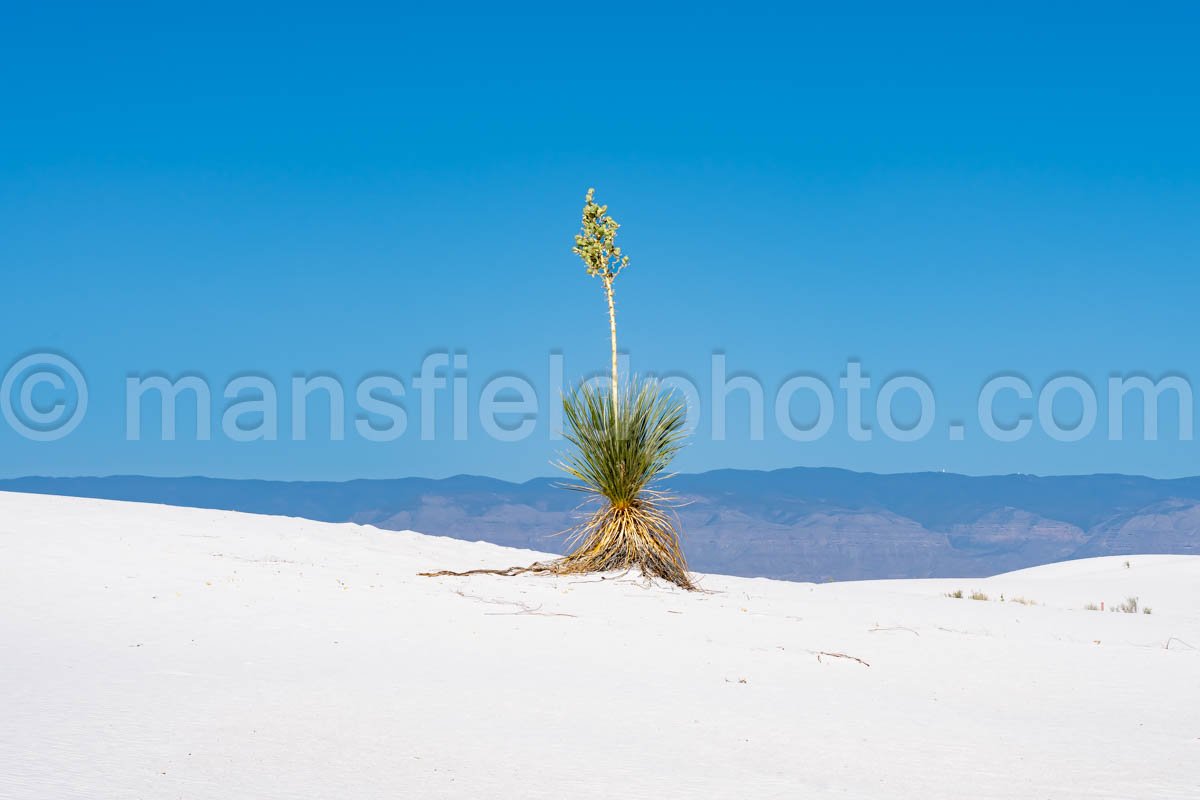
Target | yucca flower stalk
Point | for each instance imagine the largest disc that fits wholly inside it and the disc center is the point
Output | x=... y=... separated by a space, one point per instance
x=624 y=439
x=596 y=244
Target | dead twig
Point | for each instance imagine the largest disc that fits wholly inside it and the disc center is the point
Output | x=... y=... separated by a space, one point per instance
x=525 y=610
x=508 y=573
x=819 y=653
x=488 y=600
x=528 y=611
x=894 y=628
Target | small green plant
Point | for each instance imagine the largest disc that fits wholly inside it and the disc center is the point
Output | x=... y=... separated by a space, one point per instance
x=978 y=596
x=1146 y=610
x=1130 y=606
x=957 y=594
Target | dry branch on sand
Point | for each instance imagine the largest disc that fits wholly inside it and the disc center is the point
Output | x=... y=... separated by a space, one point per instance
x=819 y=653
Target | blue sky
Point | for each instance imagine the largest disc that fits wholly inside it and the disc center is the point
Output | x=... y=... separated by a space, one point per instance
x=341 y=192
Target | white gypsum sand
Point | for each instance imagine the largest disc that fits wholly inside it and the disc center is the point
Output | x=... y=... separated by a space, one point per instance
x=158 y=652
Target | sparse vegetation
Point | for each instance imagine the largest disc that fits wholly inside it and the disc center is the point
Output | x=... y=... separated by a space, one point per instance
x=1130 y=606
x=1024 y=601
x=958 y=594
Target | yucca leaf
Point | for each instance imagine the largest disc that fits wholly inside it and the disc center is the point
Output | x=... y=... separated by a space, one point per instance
x=620 y=455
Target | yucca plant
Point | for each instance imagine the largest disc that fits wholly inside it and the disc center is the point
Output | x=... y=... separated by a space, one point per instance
x=622 y=448
x=624 y=439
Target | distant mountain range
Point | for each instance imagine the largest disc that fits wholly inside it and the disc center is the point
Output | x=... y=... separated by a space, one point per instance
x=795 y=524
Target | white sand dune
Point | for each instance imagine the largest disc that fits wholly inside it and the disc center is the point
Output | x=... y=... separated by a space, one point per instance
x=157 y=652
